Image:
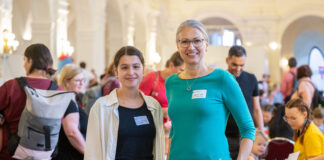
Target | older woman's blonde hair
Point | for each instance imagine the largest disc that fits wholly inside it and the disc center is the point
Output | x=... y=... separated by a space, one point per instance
x=67 y=73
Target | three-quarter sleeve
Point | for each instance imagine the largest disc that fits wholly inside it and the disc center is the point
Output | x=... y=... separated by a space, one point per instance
x=236 y=104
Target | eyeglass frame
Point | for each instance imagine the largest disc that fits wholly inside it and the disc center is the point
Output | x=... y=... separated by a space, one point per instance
x=286 y=119
x=191 y=42
x=79 y=80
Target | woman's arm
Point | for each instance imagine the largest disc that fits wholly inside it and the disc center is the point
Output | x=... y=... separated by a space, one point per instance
x=305 y=92
x=71 y=129
x=245 y=149
x=257 y=113
x=234 y=100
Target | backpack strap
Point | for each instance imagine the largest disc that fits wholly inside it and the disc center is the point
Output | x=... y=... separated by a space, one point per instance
x=22 y=82
x=53 y=86
x=294 y=79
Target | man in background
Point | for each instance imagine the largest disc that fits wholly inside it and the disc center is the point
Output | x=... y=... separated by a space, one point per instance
x=289 y=80
x=249 y=86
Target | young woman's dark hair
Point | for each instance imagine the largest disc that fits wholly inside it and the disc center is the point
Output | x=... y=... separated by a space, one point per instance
x=41 y=58
x=302 y=107
x=303 y=71
x=175 y=59
x=130 y=51
x=277 y=126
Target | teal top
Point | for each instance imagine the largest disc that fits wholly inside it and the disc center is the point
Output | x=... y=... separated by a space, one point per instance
x=199 y=116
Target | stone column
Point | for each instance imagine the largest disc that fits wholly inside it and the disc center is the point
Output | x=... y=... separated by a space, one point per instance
x=43 y=23
x=90 y=33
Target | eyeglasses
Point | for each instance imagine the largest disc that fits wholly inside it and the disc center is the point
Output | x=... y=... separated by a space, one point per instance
x=79 y=80
x=186 y=43
x=285 y=118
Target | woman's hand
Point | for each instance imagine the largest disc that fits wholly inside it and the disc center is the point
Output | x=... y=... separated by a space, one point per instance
x=245 y=149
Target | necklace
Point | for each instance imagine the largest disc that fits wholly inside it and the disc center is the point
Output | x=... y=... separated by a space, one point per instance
x=190 y=85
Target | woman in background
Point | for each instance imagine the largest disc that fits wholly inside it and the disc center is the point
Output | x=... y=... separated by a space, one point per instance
x=306 y=88
x=74 y=124
x=153 y=85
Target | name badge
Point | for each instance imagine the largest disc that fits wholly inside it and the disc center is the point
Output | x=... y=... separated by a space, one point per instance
x=199 y=94
x=141 y=120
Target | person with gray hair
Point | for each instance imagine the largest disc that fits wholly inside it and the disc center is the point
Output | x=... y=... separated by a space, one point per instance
x=200 y=99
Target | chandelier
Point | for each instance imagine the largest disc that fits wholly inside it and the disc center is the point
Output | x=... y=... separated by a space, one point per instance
x=8 y=44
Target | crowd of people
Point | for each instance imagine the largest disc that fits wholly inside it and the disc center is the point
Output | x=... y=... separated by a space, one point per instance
x=187 y=111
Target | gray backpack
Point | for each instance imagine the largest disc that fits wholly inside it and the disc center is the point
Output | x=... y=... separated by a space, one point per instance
x=40 y=121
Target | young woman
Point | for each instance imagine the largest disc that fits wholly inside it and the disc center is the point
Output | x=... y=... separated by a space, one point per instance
x=309 y=140
x=37 y=64
x=200 y=99
x=126 y=124
x=74 y=124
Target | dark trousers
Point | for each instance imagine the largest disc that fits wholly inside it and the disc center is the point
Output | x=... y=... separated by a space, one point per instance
x=234 y=146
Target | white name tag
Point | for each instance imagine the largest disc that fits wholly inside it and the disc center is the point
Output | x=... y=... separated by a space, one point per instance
x=141 y=120
x=199 y=94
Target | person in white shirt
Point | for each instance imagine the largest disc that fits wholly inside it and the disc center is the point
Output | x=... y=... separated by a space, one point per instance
x=126 y=124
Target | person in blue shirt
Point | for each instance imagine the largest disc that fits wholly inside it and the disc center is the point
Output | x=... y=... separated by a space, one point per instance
x=200 y=100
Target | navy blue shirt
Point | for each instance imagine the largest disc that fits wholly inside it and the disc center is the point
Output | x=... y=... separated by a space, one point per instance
x=249 y=87
x=136 y=134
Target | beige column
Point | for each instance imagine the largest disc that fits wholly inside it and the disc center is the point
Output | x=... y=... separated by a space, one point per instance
x=90 y=37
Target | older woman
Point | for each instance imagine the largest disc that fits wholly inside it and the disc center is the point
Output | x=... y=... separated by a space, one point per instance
x=200 y=99
x=306 y=88
x=74 y=124
x=126 y=124
x=309 y=140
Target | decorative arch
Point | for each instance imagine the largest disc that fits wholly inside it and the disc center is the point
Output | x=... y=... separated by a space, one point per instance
x=297 y=14
x=220 y=13
x=316 y=63
x=293 y=33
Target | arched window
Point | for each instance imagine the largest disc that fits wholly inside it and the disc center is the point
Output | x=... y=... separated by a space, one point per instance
x=222 y=32
x=316 y=63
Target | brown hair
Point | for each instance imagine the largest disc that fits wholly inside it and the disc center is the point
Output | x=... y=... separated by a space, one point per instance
x=175 y=59
x=130 y=51
x=41 y=58
x=304 y=71
x=110 y=70
x=302 y=107
x=318 y=112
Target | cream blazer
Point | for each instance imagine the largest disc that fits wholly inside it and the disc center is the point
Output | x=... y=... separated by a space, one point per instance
x=102 y=131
